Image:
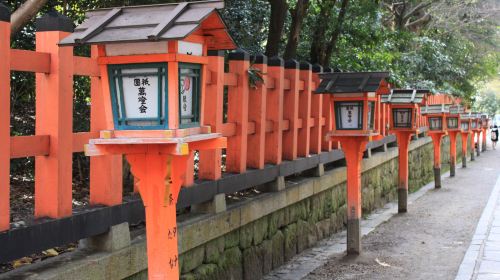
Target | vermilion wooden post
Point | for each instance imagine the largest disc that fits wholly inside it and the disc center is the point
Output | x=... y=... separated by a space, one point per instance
x=210 y=160
x=4 y=118
x=478 y=137
x=316 y=113
x=403 y=138
x=484 y=130
x=305 y=110
x=472 y=146
x=465 y=136
x=105 y=187
x=274 y=110
x=353 y=148
x=237 y=113
x=257 y=115
x=436 y=141
x=54 y=117
x=291 y=110
x=453 y=151
x=160 y=177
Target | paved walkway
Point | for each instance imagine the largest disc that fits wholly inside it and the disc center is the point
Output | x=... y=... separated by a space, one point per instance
x=482 y=260
x=428 y=242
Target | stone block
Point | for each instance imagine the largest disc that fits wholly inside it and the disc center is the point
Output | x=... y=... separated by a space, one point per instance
x=213 y=250
x=260 y=230
x=232 y=239
x=246 y=236
x=278 y=241
x=188 y=276
x=206 y=272
x=290 y=246
x=192 y=259
x=266 y=255
x=312 y=234
x=230 y=264
x=118 y=237
x=276 y=221
x=217 y=205
x=302 y=234
x=324 y=226
x=274 y=186
x=252 y=264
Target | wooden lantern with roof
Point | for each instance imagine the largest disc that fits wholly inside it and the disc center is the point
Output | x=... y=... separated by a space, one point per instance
x=404 y=111
x=153 y=67
x=353 y=98
x=465 y=122
x=453 y=118
x=436 y=117
x=405 y=108
x=354 y=103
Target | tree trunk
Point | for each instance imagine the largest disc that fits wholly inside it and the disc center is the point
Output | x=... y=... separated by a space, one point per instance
x=24 y=14
x=276 y=22
x=335 y=34
x=318 y=47
x=297 y=20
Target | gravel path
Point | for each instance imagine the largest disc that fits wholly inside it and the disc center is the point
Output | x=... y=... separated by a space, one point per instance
x=430 y=240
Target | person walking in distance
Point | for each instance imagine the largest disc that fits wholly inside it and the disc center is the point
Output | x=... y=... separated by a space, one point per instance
x=494 y=136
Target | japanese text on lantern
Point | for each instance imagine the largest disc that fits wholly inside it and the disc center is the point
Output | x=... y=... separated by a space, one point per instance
x=142 y=98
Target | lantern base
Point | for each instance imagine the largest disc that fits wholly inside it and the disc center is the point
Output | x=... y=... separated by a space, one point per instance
x=437 y=177
x=353 y=237
x=402 y=200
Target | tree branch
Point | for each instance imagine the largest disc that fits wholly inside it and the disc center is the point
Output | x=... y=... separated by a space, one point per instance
x=24 y=14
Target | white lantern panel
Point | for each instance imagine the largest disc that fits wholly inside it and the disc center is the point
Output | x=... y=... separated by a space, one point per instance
x=465 y=125
x=186 y=95
x=140 y=93
x=190 y=48
x=402 y=118
x=452 y=122
x=435 y=124
x=349 y=115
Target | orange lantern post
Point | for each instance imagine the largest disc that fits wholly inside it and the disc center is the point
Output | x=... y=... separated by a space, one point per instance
x=476 y=133
x=436 y=118
x=484 y=128
x=353 y=99
x=153 y=65
x=453 y=127
x=404 y=106
x=465 y=130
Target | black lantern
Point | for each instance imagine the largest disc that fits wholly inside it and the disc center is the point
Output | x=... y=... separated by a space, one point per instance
x=402 y=117
x=435 y=123
x=349 y=115
x=404 y=104
x=353 y=99
x=452 y=122
x=436 y=117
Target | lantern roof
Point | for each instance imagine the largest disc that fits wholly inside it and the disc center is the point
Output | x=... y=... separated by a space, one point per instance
x=456 y=109
x=405 y=96
x=435 y=109
x=350 y=82
x=148 y=23
x=466 y=115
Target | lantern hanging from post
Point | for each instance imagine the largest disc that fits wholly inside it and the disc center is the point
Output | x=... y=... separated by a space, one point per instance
x=404 y=106
x=153 y=62
x=353 y=98
x=436 y=118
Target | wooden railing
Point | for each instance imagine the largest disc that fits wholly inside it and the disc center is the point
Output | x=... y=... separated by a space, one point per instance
x=274 y=128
